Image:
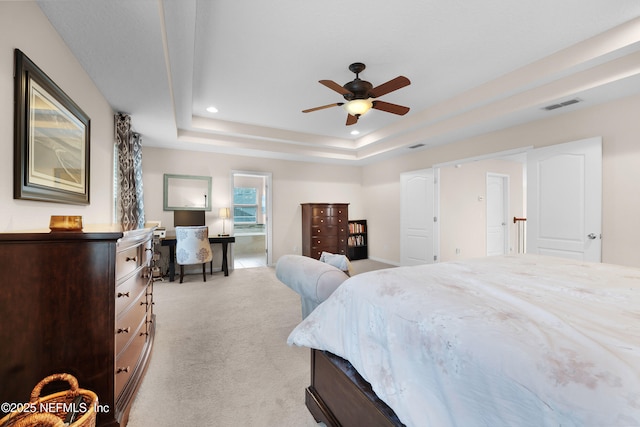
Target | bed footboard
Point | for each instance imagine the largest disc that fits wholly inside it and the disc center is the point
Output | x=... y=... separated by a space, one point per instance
x=339 y=397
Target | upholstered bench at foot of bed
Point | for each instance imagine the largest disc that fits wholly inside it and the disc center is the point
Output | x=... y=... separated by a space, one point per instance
x=313 y=280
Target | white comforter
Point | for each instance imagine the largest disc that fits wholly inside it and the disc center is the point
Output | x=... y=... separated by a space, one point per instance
x=502 y=341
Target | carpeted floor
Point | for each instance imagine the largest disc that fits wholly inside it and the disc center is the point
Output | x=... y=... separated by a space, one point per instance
x=220 y=356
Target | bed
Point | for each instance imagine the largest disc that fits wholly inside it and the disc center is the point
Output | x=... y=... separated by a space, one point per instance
x=498 y=341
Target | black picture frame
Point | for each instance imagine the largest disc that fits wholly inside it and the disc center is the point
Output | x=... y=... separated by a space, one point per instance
x=51 y=139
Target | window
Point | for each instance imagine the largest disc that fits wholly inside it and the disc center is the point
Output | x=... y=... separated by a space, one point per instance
x=245 y=205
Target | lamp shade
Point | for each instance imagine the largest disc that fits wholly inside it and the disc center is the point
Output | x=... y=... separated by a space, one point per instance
x=358 y=107
x=224 y=213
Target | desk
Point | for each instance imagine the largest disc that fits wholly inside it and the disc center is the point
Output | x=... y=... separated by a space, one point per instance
x=171 y=242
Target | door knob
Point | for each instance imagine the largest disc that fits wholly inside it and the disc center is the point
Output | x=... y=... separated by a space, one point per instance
x=591 y=236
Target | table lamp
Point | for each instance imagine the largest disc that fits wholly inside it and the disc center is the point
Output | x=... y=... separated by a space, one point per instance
x=224 y=213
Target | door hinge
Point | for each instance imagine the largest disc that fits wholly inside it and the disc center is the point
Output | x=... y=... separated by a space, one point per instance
x=435 y=219
x=435 y=257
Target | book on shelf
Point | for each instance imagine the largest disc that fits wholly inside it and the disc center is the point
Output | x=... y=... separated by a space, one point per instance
x=356 y=240
x=355 y=227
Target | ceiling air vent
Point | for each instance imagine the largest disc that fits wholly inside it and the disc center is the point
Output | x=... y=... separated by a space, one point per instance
x=416 y=146
x=561 y=104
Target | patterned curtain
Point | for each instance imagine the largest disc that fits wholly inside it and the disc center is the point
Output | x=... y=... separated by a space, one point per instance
x=130 y=191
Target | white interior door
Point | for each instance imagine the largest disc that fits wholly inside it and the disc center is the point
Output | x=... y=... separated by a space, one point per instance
x=564 y=200
x=417 y=217
x=497 y=214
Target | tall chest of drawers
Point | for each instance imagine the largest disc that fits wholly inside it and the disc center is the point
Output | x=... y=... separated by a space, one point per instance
x=325 y=228
x=80 y=303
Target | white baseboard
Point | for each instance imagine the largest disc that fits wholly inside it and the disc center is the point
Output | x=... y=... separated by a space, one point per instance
x=386 y=261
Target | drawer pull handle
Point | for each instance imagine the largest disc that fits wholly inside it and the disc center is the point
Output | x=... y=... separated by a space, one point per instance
x=148 y=249
x=124 y=330
x=144 y=303
x=120 y=370
x=142 y=334
x=132 y=259
x=123 y=294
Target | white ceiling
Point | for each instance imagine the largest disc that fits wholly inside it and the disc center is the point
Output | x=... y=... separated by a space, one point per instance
x=474 y=67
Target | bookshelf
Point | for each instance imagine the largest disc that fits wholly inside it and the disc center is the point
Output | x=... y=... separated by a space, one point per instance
x=357 y=241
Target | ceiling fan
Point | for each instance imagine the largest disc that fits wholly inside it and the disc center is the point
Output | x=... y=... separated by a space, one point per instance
x=360 y=95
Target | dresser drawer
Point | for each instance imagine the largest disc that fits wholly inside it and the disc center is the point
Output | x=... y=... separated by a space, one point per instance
x=341 y=213
x=130 y=322
x=127 y=261
x=127 y=361
x=317 y=252
x=323 y=230
x=323 y=221
x=343 y=229
x=324 y=242
x=321 y=211
x=149 y=307
x=130 y=258
x=130 y=290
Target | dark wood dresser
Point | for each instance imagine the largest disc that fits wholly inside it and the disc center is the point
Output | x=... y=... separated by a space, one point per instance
x=79 y=303
x=325 y=227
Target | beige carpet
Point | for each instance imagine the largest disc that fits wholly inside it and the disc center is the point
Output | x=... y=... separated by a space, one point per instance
x=220 y=356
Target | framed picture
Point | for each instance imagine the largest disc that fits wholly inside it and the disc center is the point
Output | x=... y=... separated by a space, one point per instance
x=51 y=139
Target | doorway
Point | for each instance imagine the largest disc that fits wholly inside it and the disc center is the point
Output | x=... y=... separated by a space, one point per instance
x=251 y=192
x=554 y=205
x=477 y=198
x=497 y=214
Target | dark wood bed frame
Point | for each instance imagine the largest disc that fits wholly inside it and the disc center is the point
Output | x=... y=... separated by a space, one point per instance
x=339 y=397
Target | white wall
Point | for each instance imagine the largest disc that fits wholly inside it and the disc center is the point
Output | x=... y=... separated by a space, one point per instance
x=24 y=26
x=617 y=122
x=463 y=206
x=293 y=183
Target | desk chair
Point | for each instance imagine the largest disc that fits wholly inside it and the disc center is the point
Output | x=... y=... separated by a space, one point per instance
x=193 y=247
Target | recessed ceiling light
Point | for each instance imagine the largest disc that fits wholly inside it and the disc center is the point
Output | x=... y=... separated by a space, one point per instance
x=355 y=132
x=212 y=109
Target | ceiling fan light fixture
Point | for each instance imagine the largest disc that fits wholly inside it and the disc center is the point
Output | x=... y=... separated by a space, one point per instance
x=358 y=107
x=360 y=95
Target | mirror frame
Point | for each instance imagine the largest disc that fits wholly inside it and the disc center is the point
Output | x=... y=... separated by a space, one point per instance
x=170 y=190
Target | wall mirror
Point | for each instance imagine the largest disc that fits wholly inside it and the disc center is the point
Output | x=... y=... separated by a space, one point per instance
x=187 y=192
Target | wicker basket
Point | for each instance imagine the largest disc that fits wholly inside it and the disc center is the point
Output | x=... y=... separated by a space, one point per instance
x=51 y=410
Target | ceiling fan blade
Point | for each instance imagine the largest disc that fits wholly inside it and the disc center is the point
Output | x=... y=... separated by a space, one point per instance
x=335 y=86
x=394 y=84
x=390 y=108
x=351 y=120
x=336 y=104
